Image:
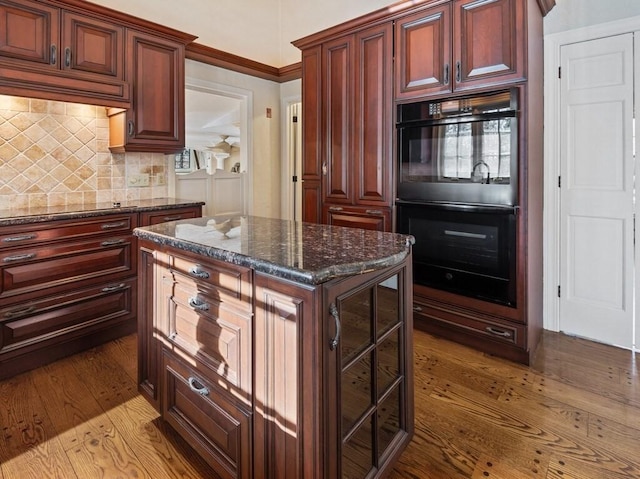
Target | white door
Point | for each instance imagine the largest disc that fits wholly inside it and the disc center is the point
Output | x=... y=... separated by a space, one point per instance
x=596 y=193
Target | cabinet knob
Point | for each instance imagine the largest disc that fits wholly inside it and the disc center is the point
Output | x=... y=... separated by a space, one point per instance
x=197 y=271
x=13 y=239
x=498 y=332
x=195 y=303
x=197 y=387
x=333 y=343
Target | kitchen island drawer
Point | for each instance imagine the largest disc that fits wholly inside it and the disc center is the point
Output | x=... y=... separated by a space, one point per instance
x=65 y=230
x=162 y=216
x=56 y=266
x=27 y=329
x=225 y=282
x=217 y=428
x=197 y=326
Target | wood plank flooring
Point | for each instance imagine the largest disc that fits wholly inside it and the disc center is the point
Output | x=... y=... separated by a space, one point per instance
x=574 y=414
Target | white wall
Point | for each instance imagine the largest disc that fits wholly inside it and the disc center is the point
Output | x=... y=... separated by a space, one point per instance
x=265 y=163
x=572 y=14
x=261 y=30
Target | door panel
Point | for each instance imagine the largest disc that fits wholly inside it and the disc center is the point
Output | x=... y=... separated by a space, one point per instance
x=596 y=195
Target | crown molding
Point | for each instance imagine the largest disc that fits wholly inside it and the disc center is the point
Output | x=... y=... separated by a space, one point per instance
x=229 y=61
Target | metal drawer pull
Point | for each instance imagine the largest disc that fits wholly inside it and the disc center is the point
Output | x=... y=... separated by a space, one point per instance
x=111 y=289
x=112 y=242
x=19 y=312
x=497 y=332
x=19 y=257
x=197 y=387
x=173 y=218
x=53 y=58
x=13 y=239
x=196 y=271
x=374 y=212
x=446 y=74
x=335 y=208
x=417 y=309
x=195 y=303
x=333 y=343
x=111 y=226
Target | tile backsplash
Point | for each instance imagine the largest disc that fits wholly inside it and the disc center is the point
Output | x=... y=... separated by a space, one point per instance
x=54 y=153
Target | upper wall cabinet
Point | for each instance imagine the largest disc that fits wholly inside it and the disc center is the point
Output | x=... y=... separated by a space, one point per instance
x=155 y=121
x=67 y=55
x=461 y=45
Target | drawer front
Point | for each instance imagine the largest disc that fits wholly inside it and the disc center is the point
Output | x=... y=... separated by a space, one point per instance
x=29 y=270
x=31 y=323
x=148 y=218
x=225 y=282
x=470 y=322
x=219 y=338
x=214 y=426
x=16 y=236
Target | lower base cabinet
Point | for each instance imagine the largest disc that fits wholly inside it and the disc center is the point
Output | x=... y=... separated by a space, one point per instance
x=326 y=389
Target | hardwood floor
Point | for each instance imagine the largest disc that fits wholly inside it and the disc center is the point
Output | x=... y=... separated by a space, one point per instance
x=574 y=414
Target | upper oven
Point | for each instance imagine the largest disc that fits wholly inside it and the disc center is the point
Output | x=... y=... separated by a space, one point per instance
x=461 y=150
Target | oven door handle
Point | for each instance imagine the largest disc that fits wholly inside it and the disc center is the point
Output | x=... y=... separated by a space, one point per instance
x=465 y=234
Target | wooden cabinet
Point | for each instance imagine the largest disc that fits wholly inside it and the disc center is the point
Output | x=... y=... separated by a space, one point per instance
x=49 y=49
x=347 y=93
x=148 y=218
x=251 y=369
x=66 y=285
x=155 y=121
x=460 y=45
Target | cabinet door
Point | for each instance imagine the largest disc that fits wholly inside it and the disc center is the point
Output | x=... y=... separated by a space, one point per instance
x=311 y=134
x=371 y=369
x=155 y=123
x=338 y=99
x=423 y=42
x=489 y=42
x=373 y=116
x=29 y=33
x=92 y=46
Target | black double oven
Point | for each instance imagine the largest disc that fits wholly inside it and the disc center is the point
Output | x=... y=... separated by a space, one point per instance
x=457 y=184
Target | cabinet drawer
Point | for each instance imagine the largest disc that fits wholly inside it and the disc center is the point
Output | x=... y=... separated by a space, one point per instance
x=213 y=425
x=377 y=219
x=22 y=235
x=26 y=270
x=225 y=282
x=148 y=218
x=470 y=322
x=218 y=337
x=33 y=322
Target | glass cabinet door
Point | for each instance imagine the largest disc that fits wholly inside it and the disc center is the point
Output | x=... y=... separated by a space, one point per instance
x=372 y=384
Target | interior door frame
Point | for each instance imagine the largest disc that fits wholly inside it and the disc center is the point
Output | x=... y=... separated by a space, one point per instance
x=552 y=153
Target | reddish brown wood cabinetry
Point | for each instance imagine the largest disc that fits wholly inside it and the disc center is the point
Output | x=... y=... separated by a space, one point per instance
x=64 y=54
x=155 y=121
x=154 y=217
x=460 y=45
x=252 y=369
x=66 y=285
x=347 y=91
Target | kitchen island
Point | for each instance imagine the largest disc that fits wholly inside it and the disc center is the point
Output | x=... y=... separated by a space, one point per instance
x=279 y=349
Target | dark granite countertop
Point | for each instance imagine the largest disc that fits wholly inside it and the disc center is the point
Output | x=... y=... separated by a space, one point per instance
x=19 y=216
x=303 y=252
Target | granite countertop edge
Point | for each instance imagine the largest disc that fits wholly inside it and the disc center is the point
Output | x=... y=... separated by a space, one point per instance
x=308 y=277
x=24 y=216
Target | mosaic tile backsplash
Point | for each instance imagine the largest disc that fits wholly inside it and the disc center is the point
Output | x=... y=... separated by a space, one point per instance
x=55 y=153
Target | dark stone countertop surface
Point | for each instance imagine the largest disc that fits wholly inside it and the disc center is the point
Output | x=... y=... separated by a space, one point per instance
x=20 y=216
x=302 y=252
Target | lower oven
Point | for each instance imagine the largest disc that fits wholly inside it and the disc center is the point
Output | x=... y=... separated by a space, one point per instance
x=462 y=248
